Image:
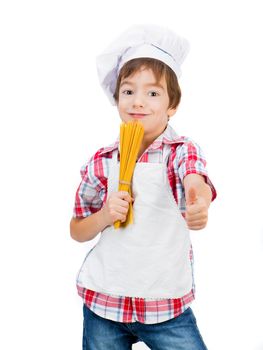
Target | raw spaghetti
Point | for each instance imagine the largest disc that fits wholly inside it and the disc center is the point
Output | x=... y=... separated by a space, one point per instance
x=131 y=135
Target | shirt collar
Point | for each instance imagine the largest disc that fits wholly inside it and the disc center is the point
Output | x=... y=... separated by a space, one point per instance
x=169 y=136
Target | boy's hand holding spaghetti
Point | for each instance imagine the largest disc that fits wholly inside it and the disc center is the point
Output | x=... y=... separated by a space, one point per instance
x=116 y=207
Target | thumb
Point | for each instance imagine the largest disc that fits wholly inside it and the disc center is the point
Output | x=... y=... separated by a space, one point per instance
x=191 y=196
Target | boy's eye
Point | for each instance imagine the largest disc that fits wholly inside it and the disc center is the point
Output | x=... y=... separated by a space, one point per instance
x=153 y=93
x=127 y=92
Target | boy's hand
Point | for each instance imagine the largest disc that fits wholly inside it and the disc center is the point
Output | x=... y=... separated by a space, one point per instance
x=196 y=210
x=116 y=207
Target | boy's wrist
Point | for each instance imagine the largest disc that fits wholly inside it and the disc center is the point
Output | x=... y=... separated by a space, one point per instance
x=104 y=217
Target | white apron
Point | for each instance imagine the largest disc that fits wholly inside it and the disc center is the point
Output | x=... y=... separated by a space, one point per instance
x=151 y=257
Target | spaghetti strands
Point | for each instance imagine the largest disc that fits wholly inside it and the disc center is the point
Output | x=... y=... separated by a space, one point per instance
x=131 y=135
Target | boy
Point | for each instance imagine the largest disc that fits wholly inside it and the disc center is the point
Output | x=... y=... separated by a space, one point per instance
x=137 y=282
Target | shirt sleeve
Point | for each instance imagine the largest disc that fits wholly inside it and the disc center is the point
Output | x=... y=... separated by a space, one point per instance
x=91 y=192
x=191 y=160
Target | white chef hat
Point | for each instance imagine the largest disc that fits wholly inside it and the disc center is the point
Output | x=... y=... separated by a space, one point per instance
x=140 y=41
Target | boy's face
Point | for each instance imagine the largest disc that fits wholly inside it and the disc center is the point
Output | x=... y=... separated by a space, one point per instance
x=142 y=98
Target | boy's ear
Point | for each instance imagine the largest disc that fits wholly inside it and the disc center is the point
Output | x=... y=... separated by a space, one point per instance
x=171 y=111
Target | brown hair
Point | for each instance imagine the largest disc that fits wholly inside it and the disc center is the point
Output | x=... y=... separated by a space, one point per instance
x=159 y=69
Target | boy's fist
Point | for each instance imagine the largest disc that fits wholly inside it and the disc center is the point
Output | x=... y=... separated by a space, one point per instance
x=116 y=207
x=196 y=215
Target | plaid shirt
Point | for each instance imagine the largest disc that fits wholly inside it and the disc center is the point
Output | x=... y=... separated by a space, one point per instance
x=186 y=157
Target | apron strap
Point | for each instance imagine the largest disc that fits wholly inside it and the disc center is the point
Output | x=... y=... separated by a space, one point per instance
x=115 y=156
x=166 y=153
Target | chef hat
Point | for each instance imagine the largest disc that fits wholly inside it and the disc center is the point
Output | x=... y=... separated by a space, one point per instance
x=140 y=41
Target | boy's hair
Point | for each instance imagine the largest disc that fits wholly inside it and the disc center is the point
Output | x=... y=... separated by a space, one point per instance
x=159 y=69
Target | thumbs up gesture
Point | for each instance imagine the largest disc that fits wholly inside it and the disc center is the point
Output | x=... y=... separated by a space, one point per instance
x=196 y=210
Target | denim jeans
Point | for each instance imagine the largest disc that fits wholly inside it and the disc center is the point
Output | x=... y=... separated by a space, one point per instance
x=180 y=333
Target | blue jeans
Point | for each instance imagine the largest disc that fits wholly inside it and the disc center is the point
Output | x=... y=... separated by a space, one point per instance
x=180 y=333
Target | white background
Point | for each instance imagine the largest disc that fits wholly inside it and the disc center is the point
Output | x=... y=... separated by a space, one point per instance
x=54 y=116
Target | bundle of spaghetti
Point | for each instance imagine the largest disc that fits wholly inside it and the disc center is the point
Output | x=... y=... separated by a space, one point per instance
x=131 y=135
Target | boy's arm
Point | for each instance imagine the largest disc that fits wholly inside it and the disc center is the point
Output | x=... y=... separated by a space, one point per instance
x=85 y=229
x=116 y=208
x=198 y=197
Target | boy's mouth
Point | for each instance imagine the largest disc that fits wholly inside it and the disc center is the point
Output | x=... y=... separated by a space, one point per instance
x=137 y=115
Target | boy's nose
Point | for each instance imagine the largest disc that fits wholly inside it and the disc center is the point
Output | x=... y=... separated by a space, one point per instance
x=138 y=100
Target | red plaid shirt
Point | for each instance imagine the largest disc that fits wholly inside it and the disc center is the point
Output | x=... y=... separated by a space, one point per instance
x=186 y=157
